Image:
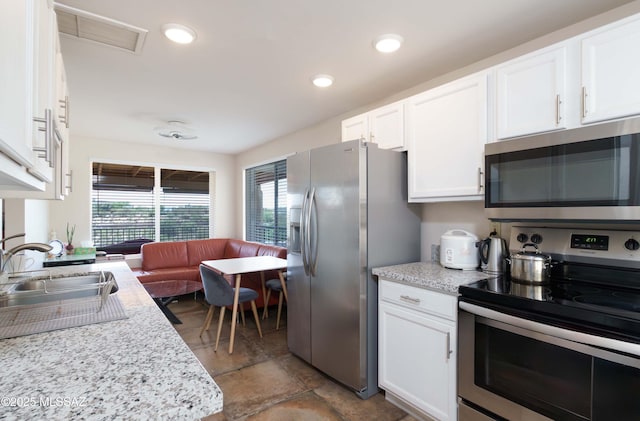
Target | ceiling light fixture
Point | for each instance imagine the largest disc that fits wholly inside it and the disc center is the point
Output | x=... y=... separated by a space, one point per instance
x=322 y=81
x=388 y=43
x=177 y=130
x=179 y=33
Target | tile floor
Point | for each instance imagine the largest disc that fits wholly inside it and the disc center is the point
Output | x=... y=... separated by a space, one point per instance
x=262 y=380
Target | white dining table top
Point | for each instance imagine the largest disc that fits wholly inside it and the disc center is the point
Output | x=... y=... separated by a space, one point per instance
x=240 y=265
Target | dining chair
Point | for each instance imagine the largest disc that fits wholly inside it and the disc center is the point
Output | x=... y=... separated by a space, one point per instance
x=276 y=286
x=218 y=293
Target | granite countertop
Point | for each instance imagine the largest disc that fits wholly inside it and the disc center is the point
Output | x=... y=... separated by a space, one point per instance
x=430 y=275
x=136 y=368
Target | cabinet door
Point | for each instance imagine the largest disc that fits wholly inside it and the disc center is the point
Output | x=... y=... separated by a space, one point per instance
x=45 y=35
x=610 y=76
x=16 y=80
x=447 y=132
x=530 y=93
x=417 y=360
x=387 y=126
x=356 y=127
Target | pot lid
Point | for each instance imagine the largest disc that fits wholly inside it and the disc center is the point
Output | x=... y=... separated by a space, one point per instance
x=531 y=255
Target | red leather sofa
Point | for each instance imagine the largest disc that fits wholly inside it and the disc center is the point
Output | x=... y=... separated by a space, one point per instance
x=181 y=259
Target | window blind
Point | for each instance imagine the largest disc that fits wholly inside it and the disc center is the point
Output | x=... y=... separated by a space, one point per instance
x=266 y=203
x=184 y=205
x=122 y=203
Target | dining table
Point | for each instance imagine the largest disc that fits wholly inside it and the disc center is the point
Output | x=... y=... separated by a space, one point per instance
x=241 y=265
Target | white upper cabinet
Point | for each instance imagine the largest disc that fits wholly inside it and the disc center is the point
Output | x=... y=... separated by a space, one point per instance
x=384 y=126
x=447 y=130
x=34 y=104
x=531 y=93
x=356 y=127
x=610 y=71
x=387 y=126
x=26 y=118
x=16 y=78
x=44 y=91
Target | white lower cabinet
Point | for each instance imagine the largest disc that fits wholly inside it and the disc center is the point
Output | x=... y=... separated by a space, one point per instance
x=417 y=338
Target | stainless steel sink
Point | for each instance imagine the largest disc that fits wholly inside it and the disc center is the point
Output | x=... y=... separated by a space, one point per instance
x=25 y=290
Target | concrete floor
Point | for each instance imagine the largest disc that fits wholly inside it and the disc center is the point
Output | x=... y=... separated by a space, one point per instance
x=262 y=380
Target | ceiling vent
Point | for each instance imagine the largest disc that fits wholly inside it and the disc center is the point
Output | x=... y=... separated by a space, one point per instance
x=176 y=130
x=88 y=26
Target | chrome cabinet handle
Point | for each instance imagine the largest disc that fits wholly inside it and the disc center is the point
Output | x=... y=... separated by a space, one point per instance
x=70 y=185
x=480 y=174
x=449 y=351
x=372 y=137
x=584 y=102
x=558 y=103
x=410 y=299
x=64 y=104
x=45 y=151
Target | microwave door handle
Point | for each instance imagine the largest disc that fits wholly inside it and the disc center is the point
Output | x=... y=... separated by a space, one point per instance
x=569 y=335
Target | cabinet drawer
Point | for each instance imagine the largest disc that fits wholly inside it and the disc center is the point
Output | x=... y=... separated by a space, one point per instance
x=427 y=301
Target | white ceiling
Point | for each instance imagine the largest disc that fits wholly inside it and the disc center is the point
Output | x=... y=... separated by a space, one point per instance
x=246 y=79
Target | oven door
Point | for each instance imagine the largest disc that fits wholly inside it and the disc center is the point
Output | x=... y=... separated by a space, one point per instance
x=522 y=370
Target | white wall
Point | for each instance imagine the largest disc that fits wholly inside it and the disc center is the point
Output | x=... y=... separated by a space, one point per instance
x=76 y=208
x=29 y=217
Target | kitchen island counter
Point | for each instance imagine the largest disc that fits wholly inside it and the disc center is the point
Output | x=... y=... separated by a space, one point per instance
x=138 y=367
x=430 y=275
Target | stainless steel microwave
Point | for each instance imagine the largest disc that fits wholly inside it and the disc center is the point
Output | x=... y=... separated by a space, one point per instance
x=585 y=174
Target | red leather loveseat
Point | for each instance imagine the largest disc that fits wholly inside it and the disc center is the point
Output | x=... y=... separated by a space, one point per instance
x=181 y=259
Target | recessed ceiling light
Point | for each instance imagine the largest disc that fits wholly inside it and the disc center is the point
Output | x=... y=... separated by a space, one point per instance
x=322 y=81
x=179 y=33
x=388 y=43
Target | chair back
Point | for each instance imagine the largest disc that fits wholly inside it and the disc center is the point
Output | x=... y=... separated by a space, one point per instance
x=217 y=290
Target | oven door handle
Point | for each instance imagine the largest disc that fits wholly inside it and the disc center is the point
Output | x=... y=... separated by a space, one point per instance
x=569 y=335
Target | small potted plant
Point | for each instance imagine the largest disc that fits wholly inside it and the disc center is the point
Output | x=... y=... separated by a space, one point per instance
x=70 y=233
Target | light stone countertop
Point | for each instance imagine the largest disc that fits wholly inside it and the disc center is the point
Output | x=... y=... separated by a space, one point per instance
x=430 y=275
x=136 y=368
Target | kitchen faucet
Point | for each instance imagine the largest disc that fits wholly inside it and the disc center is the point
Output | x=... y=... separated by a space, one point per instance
x=5 y=256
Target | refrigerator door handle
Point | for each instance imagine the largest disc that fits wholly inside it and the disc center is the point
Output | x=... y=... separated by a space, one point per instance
x=304 y=233
x=313 y=256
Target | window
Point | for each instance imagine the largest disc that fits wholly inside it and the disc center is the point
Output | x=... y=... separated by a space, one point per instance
x=184 y=205
x=134 y=202
x=266 y=203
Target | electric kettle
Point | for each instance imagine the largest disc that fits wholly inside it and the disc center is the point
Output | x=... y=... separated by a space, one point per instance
x=493 y=253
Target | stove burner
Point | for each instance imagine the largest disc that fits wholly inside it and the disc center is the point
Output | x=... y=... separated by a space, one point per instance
x=619 y=302
x=535 y=292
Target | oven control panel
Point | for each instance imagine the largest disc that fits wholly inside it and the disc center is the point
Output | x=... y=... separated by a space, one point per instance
x=585 y=242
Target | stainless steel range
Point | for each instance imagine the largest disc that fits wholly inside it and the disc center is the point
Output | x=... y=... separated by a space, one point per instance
x=566 y=349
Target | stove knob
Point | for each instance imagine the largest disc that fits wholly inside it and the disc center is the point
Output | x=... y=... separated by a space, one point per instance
x=522 y=237
x=631 y=244
x=536 y=238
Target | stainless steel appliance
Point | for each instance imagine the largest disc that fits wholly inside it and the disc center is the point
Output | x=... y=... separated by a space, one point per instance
x=565 y=350
x=348 y=213
x=493 y=254
x=585 y=174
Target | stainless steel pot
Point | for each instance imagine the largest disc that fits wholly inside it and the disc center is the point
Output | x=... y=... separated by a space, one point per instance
x=530 y=266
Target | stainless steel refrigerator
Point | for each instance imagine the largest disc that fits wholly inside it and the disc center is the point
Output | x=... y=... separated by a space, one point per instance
x=348 y=213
